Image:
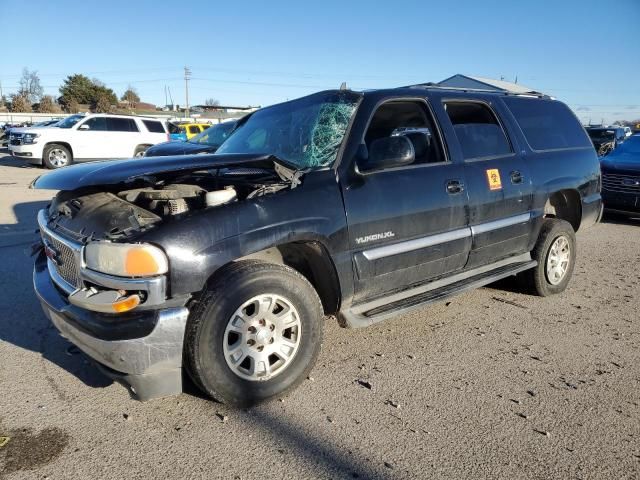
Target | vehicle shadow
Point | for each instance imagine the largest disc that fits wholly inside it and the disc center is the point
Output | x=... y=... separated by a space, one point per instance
x=7 y=160
x=619 y=219
x=23 y=323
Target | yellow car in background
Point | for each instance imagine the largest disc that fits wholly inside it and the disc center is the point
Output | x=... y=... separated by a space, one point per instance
x=185 y=131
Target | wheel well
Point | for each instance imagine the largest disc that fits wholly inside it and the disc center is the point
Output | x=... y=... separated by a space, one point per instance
x=565 y=205
x=64 y=144
x=311 y=260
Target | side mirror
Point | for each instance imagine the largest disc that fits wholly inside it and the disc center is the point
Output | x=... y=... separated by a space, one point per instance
x=388 y=152
x=84 y=126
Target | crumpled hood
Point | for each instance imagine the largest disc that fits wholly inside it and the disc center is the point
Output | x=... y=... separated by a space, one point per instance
x=621 y=161
x=179 y=148
x=113 y=172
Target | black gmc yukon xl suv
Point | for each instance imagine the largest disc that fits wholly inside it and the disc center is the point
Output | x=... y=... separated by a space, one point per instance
x=360 y=205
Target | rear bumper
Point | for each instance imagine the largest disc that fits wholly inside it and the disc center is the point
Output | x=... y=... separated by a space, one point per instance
x=146 y=354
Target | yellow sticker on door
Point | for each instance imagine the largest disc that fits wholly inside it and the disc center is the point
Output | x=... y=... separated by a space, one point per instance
x=493 y=177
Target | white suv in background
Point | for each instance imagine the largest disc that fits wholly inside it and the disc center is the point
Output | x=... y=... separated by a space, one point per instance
x=80 y=138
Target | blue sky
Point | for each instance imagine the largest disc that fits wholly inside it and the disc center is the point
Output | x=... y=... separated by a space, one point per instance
x=584 y=52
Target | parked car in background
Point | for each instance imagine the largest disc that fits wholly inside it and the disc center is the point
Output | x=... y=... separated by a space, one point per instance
x=5 y=133
x=206 y=142
x=184 y=131
x=606 y=139
x=80 y=138
x=621 y=177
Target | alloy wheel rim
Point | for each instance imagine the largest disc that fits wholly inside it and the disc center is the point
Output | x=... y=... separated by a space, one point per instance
x=58 y=157
x=262 y=337
x=558 y=260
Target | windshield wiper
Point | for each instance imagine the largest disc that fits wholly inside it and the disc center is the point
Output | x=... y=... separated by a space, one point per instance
x=287 y=171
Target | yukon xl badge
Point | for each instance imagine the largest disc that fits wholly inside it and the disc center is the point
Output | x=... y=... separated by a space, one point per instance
x=375 y=236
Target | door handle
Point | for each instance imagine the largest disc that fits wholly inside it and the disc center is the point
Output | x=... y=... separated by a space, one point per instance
x=516 y=177
x=454 y=187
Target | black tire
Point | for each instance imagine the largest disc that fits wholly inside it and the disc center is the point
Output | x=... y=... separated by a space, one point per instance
x=52 y=163
x=536 y=280
x=210 y=314
x=139 y=151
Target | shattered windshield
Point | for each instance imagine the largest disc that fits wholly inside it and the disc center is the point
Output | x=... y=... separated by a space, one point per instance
x=307 y=132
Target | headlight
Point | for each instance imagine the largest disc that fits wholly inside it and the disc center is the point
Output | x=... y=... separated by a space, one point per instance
x=125 y=260
x=30 y=138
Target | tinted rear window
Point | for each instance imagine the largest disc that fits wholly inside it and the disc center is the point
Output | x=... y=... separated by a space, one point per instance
x=121 y=124
x=547 y=124
x=478 y=131
x=153 y=126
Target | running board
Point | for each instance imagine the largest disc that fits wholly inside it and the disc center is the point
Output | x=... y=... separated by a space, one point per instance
x=374 y=311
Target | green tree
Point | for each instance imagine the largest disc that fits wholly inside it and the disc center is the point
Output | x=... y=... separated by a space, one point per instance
x=48 y=105
x=82 y=89
x=30 y=86
x=131 y=97
x=77 y=87
x=20 y=103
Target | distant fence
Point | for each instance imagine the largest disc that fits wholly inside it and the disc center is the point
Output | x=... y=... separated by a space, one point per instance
x=210 y=117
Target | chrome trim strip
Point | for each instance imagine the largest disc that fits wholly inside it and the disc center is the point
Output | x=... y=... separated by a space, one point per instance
x=416 y=244
x=154 y=286
x=75 y=247
x=58 y=280
x=502 y=223
x=431 y=240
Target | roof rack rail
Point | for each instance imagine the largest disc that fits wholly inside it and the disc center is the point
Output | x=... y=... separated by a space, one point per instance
x=482 y=90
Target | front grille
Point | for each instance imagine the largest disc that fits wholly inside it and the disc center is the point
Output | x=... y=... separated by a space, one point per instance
x=64 y=261
x=15 y=139
x=621 y=183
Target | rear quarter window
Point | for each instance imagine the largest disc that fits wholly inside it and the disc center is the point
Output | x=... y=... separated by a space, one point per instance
x=153 y=126
x=115 y=124
x=547 y=124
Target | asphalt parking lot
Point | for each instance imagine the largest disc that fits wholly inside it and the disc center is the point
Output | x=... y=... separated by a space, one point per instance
x=490 y=384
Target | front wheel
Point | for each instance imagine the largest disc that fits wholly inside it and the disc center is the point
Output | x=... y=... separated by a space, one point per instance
x=140 y=151
x=254 y=334
x=555 y=252
x=56 y=156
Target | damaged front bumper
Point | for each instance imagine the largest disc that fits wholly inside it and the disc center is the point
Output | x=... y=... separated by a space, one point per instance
x=140 y=349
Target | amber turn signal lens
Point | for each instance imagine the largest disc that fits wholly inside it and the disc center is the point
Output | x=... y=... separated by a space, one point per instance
x=140 y=262
x=126 y=304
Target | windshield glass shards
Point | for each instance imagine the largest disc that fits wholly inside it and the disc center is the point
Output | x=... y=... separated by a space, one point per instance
x=307 y=132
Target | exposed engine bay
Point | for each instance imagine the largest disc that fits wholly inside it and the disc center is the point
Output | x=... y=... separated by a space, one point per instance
x=117 y=213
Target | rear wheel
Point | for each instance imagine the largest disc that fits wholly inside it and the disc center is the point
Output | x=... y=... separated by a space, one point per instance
x=555 y=252
x=56 y=156
x=255 y=333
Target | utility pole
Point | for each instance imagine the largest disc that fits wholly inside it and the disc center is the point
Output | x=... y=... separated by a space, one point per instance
x=187 y=76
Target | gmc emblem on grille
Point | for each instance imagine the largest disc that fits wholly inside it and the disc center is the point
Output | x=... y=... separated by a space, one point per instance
x=51 y=253
x=631 y=182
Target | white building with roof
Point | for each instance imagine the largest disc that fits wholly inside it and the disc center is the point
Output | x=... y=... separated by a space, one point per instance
x=481 y=83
